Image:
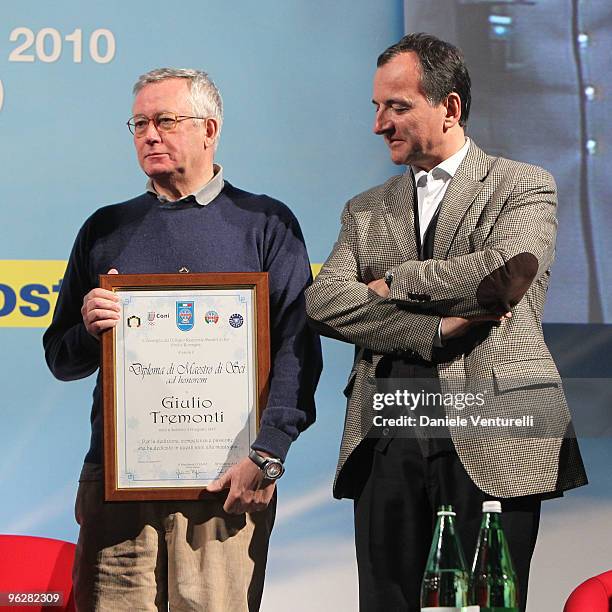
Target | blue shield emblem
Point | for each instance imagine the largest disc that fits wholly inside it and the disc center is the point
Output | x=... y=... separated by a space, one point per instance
x=184 y=315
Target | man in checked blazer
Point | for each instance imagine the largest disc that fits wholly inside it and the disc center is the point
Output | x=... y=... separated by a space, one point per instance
x=439 y=277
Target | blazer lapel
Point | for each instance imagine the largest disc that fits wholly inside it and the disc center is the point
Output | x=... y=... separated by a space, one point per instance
x=399 y=216
x=461 y=192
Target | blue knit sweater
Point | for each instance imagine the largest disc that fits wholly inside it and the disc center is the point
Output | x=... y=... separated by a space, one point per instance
x=236 y=232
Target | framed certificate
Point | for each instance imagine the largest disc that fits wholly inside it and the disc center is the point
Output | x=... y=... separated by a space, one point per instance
x=185 y=377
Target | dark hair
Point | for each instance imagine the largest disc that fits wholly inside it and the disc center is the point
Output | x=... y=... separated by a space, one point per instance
x=443 y=68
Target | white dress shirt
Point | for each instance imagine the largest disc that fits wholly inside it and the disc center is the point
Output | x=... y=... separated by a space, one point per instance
x=431 y=186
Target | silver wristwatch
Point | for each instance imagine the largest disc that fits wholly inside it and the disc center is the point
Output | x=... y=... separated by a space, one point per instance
x=271 y=467
x=388 y=278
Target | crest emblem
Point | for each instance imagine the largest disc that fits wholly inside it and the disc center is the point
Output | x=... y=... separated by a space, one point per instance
x=211 y=316
x=184 y=315
x=133 y=321
x=236 y=320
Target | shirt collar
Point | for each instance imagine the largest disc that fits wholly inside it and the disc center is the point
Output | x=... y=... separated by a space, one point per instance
x=203 y=196
x=448 y=166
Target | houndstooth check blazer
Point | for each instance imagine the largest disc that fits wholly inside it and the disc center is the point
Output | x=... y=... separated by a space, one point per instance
x=493 y=247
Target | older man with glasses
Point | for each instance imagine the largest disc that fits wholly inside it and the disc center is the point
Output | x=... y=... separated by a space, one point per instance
x=209 y=554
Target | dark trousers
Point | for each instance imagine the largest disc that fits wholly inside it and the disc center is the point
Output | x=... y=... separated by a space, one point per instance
x=395 y=515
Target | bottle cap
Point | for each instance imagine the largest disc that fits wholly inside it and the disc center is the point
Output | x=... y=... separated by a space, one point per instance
x=491 y=506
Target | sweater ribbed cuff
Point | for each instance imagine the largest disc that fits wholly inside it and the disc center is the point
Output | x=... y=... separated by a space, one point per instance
x=90 y=344
x=273 y=441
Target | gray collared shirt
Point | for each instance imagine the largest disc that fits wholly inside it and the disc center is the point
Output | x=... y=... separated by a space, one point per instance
x=203 y=196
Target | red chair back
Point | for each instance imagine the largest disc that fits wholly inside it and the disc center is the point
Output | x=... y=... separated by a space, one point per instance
x=36 y=565
x=593 y=595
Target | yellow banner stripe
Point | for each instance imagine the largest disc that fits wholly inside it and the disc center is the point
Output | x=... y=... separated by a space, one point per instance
x=29 y=288
x=316 y=268
x=28 y=291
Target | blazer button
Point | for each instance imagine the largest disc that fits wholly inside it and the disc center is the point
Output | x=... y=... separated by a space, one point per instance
x=420 y=297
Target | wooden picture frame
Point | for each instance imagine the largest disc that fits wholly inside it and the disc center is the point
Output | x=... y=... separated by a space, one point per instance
x=146 y=439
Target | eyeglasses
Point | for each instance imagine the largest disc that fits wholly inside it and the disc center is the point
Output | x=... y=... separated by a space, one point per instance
x=163 y=122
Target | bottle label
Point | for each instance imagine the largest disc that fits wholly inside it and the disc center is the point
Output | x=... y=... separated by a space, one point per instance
x=452 y=609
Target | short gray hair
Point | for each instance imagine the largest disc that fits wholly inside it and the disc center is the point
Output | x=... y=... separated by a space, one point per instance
x=205 y=97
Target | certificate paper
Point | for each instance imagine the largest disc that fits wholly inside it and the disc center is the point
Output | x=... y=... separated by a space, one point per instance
x=185 y=388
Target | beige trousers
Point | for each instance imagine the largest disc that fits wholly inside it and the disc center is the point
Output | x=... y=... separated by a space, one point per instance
x=193 y=556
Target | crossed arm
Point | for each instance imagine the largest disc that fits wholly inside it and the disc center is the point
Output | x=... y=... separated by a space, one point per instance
x=341 y=306
x=517 y=247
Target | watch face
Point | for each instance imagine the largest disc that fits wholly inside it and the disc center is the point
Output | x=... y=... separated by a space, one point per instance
x=273 y=470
